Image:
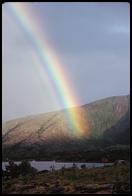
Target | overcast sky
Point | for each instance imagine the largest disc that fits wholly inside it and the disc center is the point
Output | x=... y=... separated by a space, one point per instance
x=93 y=41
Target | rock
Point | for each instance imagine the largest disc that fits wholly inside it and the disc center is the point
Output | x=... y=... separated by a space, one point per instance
x=26 y=187
x=93 y=188
x=121 y=188
x=43 y=171
x=57 y=190
x=120 y=162
x=46 y=184
x=104 y=192
x=106 y=186
x=40 y=190
x=17 y=186
x=78 y=187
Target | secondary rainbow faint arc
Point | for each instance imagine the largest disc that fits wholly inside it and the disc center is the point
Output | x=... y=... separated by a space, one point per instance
x=48 y=58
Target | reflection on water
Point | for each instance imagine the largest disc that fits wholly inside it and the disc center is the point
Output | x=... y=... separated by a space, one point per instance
x=46 y=165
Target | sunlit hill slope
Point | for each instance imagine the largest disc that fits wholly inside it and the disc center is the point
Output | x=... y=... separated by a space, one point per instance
x=49 y=136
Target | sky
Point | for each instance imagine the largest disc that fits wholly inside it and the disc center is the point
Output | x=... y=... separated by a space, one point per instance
x=92 y=42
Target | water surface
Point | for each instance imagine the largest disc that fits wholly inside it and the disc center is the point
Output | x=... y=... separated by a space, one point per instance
x=46 y=165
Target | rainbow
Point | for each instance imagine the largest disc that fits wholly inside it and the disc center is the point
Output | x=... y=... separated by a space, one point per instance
x=48 y=60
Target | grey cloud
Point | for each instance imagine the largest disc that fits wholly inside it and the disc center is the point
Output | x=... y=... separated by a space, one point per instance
x=92 y=39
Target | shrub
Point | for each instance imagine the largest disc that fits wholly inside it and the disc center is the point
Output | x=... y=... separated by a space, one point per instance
x=23 y=169
x=26 y=168
x=83 y=166
x=12 y=169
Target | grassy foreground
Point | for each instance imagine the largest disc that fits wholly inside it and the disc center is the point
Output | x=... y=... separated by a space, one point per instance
x=107 y=180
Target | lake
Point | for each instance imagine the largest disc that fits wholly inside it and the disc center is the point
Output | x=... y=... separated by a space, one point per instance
x=46 y=165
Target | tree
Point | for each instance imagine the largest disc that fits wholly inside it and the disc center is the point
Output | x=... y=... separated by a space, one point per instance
x=83 y=166
x=12 y=169
x=26 y=168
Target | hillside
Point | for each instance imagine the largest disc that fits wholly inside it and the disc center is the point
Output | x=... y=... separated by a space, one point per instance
x=120 y=132
x=45 y=135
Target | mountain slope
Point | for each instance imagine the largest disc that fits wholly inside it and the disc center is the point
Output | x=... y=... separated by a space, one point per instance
x=120 y=132
x=47 y=134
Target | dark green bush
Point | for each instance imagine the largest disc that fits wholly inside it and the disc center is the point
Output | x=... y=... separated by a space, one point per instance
x=24 y=168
